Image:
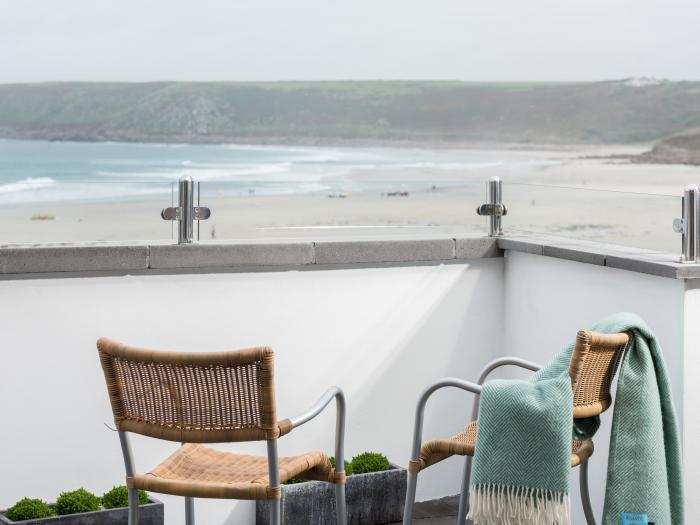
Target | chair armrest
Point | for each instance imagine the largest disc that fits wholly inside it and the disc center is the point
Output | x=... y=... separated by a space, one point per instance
x=497 y=363
x=317 y=407
x=420 y=407
x=505 y=361
x=336 y=393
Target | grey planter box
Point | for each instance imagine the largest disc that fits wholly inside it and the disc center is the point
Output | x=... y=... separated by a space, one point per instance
x=371 y=499
x=149 y=514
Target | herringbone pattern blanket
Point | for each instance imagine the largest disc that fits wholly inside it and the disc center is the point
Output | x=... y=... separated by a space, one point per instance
x=521 y=463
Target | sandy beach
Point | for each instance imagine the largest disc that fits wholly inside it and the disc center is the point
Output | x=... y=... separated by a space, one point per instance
x=635 y=205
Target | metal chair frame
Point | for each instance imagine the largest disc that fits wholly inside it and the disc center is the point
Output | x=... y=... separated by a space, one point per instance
x=474 y=388
x=272 y=462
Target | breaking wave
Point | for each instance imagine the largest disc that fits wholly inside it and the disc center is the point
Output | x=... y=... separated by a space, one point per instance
x=30 y=183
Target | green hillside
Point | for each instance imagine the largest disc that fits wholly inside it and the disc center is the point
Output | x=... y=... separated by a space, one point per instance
x=308 y=112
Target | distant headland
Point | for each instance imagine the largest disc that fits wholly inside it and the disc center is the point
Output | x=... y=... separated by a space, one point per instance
x=419 y=113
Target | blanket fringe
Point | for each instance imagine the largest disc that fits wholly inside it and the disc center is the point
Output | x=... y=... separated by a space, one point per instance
x=513 y=505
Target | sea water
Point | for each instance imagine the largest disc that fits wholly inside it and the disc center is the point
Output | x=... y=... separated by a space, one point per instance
x=42 y=171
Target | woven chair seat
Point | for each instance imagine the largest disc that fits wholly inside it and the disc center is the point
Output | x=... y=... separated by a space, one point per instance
x=464 y=443
x=202 y=472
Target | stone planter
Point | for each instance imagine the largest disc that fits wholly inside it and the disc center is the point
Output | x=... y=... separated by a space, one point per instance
x=371 y=499
x=149 y=514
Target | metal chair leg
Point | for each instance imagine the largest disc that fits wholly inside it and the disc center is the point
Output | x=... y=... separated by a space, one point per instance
x=464 y=493
x=274 y=477
x=341 y=512
x=189 y=511
x=410 y=498
x=585 y=496
x=276 y=512
x=133 y=507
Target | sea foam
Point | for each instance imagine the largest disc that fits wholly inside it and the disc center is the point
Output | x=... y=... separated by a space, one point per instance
x=30 y=183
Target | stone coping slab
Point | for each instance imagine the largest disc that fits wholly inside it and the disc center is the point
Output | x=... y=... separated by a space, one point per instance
x=144 y=257
x=639 y=260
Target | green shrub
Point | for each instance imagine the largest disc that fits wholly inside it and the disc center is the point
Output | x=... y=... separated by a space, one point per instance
x=369 y=462
x=348 y=472
x=29 y=509
x=348 y=465
x=77 y=501
x=295 y=480
x=360 y=464
x=119 y=497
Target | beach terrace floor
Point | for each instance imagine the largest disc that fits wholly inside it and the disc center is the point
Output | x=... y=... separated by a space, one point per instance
x=441 y=511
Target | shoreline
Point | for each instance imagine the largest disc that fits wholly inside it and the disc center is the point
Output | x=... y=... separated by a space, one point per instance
x=644 y=152
x=418 y=143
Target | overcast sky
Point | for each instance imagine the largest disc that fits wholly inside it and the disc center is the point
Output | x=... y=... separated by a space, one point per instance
x=129 y=40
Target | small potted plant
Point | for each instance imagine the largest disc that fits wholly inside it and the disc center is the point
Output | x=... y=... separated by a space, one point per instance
x=375 y=491
x=81 y=507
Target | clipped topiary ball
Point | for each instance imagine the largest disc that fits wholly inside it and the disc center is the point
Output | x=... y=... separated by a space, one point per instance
x=29 y=509
x=348 y=465
x=369 y=462
x=119 y=497
x=76 y=502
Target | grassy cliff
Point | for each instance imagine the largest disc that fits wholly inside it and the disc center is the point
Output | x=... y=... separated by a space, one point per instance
x=680 y=149
x=375 y=112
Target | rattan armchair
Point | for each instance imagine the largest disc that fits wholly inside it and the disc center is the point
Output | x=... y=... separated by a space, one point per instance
x=593 y=364
x=212 y=397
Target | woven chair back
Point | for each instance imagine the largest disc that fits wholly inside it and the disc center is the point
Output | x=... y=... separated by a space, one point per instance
x=594 y=362
x=207 y=397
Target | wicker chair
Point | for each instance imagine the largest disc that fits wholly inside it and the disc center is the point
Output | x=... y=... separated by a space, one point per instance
x=212 y=397
x=594 y=362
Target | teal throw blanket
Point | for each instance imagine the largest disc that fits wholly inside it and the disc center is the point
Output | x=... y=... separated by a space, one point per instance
x=522 y=460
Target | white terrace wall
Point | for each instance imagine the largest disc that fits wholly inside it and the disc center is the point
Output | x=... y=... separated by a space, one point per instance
x=548 y=300
x=382 y=334
x=691 y=395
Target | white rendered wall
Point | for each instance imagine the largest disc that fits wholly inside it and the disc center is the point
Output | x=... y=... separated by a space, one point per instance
x=548 y=300
x=381 y=334
x=691 y=395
